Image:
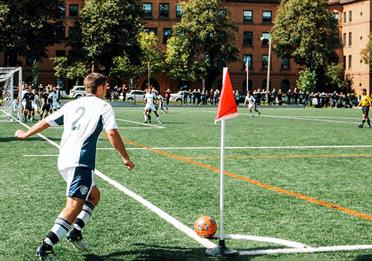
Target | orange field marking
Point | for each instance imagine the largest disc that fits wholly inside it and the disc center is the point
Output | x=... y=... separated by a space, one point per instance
x=285 y=156
x=258 y=183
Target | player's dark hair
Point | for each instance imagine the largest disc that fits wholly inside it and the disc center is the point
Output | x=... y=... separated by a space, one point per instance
x=93 y=80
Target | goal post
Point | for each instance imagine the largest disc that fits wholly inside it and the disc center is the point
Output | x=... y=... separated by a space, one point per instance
x=10 y=92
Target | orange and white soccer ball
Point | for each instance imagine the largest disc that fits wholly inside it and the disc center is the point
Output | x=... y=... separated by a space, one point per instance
x=205 y=226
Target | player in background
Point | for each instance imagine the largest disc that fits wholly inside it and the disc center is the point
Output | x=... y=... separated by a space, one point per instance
x=28 y=98
x=149 y=105
x=54 y=96
x=159 y=101
x=365 y=103
x=35 y=104
x=251 y=101
x=83 y=121
x=46 y=104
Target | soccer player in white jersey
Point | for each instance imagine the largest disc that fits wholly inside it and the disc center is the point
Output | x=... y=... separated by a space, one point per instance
x=150 y=106
x=251 y=101
x=55 y=97
x=83 y=121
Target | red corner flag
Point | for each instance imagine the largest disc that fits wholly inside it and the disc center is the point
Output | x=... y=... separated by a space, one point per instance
x=226 y=107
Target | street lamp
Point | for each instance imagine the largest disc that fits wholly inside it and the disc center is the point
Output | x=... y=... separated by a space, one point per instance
x=268 y=67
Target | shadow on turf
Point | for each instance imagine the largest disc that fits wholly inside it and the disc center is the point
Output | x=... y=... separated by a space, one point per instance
x=9 y=139
x=363 y=258
x=155 y=253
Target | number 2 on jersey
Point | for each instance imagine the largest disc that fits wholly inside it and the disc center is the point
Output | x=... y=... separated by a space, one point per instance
x=80 y=112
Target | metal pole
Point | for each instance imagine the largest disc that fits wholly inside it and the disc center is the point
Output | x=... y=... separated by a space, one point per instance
x=247 y=72
x=268 y=72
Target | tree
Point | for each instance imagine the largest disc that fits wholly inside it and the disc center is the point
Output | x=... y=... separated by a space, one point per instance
x=366 y=53
x=306 y=80
x=109 y=29
x=25 y=29
x=202 y=42
x=151 y=57
x=307 y=32
x=63 y=69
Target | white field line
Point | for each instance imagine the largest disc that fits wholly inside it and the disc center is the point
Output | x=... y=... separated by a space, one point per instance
x=267 y=240
x=171 y=220
x=304 y=250
x=144 y=124
x=189 y=232
x=301 y=118
x=255 y=147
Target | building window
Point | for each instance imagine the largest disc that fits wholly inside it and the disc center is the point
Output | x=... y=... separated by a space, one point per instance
x=265 y=39
x=247 y=16
x=29 y=59
x=335 y=16
x=147 y=10
x=247 y=39
x=248 y=57
x=60 y=32
x=74 y=33
x=350 y=16
x=60 y=10
x=350 y=61
x=285 y=64
x=350 y=39
x=344 y=17
x=178 y=11
x=151 y=30
x=73 y=10
x=266 y=17
x=60 y=53
x=167 y=32
x=265 y=61
x=344 y=39
x=163 y=10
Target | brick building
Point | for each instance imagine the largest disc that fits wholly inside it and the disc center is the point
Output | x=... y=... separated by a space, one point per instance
x=255 y=20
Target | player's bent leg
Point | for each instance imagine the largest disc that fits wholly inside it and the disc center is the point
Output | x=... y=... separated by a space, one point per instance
x=60 y=228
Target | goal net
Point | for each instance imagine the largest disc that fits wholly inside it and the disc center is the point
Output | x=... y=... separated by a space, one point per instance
x=10 y=78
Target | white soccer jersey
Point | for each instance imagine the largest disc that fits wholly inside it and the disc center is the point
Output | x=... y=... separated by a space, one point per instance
x=250 y=99
x=150 y=97
x=54 y=97
x=83 y=121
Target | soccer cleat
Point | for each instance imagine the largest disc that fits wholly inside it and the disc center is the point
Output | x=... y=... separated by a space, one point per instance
x=360 y=126
x=45 y=252
x=75 y=237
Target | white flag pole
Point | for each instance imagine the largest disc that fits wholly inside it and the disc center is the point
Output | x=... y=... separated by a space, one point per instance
x=247 y=71
x=221 y=249
x=222 y=188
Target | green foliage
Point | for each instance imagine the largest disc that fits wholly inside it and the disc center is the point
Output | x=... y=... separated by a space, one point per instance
x=151 y=53
x=122 y=67
x=366 y=53
x=63 y=69
x=307 y=32
x=335 y=76
x=202 y=42
x=25 y=28
x=307 y=80
x=110 y=29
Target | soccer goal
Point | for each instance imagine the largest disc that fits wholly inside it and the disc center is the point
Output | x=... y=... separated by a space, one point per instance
x=9 y=94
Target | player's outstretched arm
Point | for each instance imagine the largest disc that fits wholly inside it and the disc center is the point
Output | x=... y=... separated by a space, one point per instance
x=116 y=141
x=38 y=127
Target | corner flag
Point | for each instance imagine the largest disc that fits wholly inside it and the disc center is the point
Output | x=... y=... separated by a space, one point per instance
x=227 y=106
x=226 y=109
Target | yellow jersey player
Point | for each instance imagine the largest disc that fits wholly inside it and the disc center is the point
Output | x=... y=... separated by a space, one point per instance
x=365 y=103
